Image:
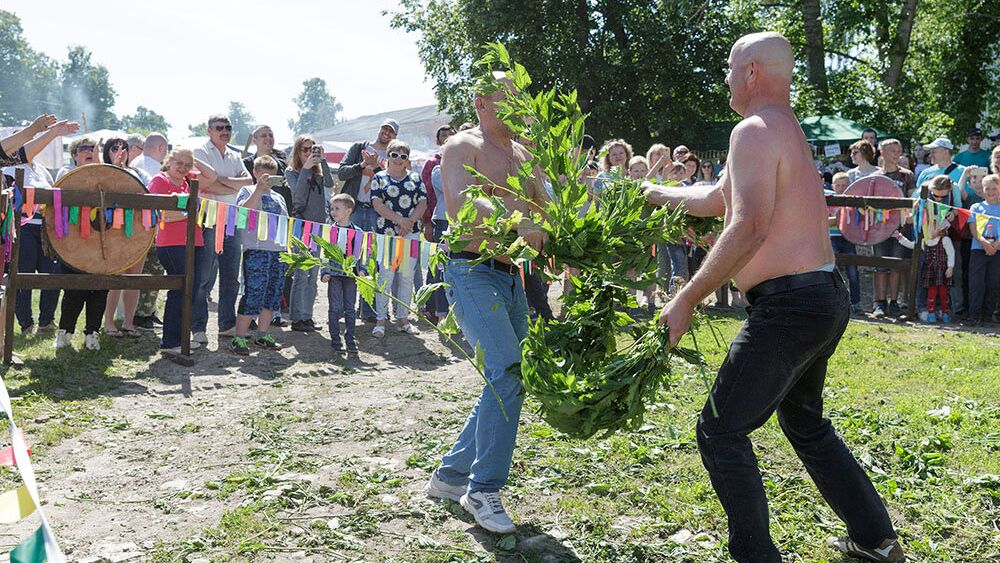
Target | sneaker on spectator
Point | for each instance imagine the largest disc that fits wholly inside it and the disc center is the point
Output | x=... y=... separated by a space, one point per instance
x=42 y=329
x=229 y=332
x=856 y=309
x=893 y=310
x=931 y=318
x=879 y=311
x=487 y=508
x=945 y=318
x=92 y=341
x=336 y=343
x=312 y=324
x=200 y=338
x=267 y=341
x=63 y=339
x=279 y=322
x=301 y=326
x=157 y=323
x=239 y=346
x=922 y=315
x=409 y=328
x=144 y=323
x=436 y=488
x=352 y=346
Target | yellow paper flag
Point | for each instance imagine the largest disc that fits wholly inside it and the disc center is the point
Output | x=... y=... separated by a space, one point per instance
x=15 y=505
x=981 y=222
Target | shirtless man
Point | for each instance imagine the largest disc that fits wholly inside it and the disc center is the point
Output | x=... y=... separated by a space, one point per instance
x=775 y=246
x=492 y=310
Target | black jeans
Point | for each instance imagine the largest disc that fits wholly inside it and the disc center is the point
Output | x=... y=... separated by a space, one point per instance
x=984 y=282
x=438 y=303
x=74 y=302
x=777 y=362
x=537 y=292
x=31 y=259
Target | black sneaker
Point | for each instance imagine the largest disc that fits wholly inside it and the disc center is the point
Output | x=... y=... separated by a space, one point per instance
x=890 y=550
x=240 y=346
x=312 y=324
x=267 y=341
x=157 y=323
x=893 y=309
x=301 y=326
x=879 y=311
x=336 y=344
x=144 y=323
x=279 y=322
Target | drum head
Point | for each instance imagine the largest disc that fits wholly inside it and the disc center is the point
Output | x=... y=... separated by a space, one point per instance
x=85 y=254
x=873 y=232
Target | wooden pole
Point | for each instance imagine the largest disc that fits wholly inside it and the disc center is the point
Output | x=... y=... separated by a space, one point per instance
x=189 y=266
x=10 y=294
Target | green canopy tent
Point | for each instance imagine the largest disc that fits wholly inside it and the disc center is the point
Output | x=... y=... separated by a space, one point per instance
x=830 y=129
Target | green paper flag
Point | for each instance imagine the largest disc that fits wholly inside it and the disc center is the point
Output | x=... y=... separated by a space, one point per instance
x=182 y=201
x=31 y=550
x=241 y=218
x=74 y=215
x=128 y=222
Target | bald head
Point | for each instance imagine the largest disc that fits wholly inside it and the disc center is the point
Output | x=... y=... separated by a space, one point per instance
x=155 y=146
x=760 y=70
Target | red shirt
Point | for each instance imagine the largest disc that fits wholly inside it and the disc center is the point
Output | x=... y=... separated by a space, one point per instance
x=173 y=233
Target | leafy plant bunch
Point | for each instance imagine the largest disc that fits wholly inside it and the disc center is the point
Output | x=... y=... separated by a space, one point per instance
x=584 y=380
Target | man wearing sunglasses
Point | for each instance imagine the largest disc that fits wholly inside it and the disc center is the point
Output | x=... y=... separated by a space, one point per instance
x=232 y=175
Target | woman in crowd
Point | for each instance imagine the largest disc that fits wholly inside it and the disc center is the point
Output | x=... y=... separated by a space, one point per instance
x=691 y=164
x=116 y=154
x=309 y=177
x=171 y=239
x=617 y=154
x=658 y=157
x=862 y=154
x=707 y=175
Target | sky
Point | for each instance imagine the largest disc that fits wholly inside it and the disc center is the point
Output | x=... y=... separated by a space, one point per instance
x=186 y=59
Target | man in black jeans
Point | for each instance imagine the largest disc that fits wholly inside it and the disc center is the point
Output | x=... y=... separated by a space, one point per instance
x=775 y=247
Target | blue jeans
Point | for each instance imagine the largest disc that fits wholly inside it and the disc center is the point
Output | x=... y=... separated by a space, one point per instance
x=31 y=259
x=844 y=246
x=491 y=307
x=674 y=255
x=777 y=363
x=365 y=218
x=172 y=259
x=341 y=293
x=303 y=295
x=438 y=303
x=226 y=267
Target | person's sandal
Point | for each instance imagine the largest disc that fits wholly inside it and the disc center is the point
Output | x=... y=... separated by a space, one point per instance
x=889 y=551
x=113 y=332
x=378 y=331
x=131 y=332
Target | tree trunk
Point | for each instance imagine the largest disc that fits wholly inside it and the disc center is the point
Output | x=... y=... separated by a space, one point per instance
x=897 y=54
x=815 y=53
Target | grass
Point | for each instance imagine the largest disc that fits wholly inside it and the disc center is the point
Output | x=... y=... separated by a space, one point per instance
x=919 y=407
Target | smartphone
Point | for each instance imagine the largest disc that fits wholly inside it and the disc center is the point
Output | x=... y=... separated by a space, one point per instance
x=317 y=150
x=276 y=180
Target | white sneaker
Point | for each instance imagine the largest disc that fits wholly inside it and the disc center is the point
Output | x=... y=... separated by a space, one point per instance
x=488 y=511
x=409 y=328
x=177 y=349
x=231 y=332
x=378 y=331
x=437 y=488
x=63 y=339
x=92 y=341
x=199 y=338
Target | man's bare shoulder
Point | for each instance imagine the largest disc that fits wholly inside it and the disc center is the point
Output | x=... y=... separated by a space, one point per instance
x=463 y=145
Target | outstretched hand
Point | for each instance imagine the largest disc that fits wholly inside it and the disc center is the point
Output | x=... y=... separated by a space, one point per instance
x=41 y=123
x=65 y=127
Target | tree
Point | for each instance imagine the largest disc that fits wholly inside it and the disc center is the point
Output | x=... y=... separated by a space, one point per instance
x=86 y=88
x=198 y=129
x=28 y=76
x=145 y=121
x=317 y=108
x=241 y=120
x=642 y=70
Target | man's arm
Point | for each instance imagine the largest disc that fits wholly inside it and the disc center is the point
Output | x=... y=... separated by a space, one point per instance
x=351 y=165
x=753 y=171
x=14 y=142
x=33 y=147
x=699 y=201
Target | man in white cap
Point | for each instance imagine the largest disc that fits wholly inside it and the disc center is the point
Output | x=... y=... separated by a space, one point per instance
x=361 y=162
x=942 y=163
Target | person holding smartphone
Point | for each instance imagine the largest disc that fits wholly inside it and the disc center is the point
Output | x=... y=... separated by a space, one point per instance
x=309 y=178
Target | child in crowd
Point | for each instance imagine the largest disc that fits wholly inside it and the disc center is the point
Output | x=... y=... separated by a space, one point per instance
x=841 y=245
x=342 y=290
x=263 y=270
x=984 y=261
x=74 y=301
x=638 y=168
x=936 y=271
x=399 y=198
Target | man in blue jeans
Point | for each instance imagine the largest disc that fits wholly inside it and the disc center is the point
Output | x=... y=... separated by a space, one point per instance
x=222 y=264
x=491 y=307
x=775 y=246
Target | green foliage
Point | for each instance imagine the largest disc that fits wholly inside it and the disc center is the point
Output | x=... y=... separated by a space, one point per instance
x=642 y=70
x=87 y=89
x=317 y=109
x=145 y=121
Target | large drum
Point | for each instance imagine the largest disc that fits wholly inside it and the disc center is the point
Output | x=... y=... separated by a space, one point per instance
x=106 y=250
x=876 y=227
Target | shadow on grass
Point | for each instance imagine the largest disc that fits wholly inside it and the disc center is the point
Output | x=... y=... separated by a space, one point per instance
x=533 y=544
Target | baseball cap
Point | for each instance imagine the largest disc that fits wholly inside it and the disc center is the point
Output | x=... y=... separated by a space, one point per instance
x=975 y=131
x=940 y=143
x=391 y=123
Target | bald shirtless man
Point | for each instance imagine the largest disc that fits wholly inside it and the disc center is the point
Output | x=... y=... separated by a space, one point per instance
x=492 y=310
x=775 y=246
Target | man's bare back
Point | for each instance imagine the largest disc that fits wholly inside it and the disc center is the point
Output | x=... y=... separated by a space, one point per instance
x=796 y=239
x=493 y=159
